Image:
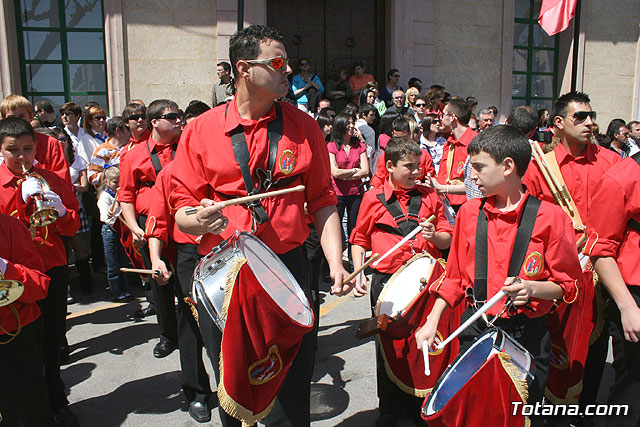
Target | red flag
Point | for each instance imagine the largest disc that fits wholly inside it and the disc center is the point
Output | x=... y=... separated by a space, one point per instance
x=555 y=15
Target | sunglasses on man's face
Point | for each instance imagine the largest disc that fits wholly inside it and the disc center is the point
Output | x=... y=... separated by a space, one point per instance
x=136 y=117
x=581 y=116
x=276 y=63
x=170 y=116
x=421 y=105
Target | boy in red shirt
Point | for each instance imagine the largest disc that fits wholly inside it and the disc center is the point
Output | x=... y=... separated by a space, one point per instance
x=499 y=157
x=18 y=149
x=376 y=229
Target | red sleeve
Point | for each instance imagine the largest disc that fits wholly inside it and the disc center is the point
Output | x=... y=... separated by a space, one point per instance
x=534 y=180
x=24 y=263
x=426 y=165
x=319 y=190
x=607 y=230
x=361 y=233
x=159 y=218
x=51 y=156
x=128 y=189
x=381 y=173
x=69 y=224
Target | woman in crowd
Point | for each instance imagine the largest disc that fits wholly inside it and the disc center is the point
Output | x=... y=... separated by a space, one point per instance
x=386 y=128
x=349 y=164
x=339 y=90
x=434 y=99
x=411 y=95
x=393 y=77
x=307 y=88
x=419 y=108
x=430 y=139
x=94 y=124
x=544 y=119
x=325 y=121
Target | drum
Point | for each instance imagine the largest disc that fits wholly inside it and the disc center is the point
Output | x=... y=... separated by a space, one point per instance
x=399 y=297
x=467 y=364
x=214 y=272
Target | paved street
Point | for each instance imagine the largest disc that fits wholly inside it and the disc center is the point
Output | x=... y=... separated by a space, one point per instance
x=114 y=380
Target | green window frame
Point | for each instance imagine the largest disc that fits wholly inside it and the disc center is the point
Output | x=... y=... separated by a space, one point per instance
x=532 y=66
x=65 y=27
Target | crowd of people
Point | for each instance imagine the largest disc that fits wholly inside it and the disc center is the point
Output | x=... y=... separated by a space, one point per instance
x=81 y=188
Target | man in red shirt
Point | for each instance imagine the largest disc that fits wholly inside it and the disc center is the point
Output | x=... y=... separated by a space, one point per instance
x=614 y=247
x=581 y=165
x=134 y=116
x=455 y=120
x=543 y=269
x=23 y=391
x=358 y=81
x=139 y=169
x=18 y=195
x=211 y=174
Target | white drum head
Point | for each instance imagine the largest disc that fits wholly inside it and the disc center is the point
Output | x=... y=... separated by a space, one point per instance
x=404 y=286
x=276 y=279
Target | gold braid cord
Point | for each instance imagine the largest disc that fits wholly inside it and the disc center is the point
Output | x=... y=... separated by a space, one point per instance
x=13 y=335
x=516 y=377
x=193 y=308
x=402 y=386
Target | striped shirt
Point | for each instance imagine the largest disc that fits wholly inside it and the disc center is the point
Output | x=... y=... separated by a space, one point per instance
x=105 y=154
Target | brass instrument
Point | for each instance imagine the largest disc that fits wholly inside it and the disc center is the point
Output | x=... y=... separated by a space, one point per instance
x=43 y=215
x=10 y=291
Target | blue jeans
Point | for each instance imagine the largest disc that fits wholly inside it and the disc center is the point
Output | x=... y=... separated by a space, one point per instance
x=116 y=257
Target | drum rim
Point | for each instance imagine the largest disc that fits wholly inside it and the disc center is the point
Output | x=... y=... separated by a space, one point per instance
x=406 y=264
x=14 y=291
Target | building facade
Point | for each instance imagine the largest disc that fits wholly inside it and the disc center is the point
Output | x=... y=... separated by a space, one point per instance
x=113 y=51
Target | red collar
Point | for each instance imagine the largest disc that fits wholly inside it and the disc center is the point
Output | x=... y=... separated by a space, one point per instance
x=233 y=118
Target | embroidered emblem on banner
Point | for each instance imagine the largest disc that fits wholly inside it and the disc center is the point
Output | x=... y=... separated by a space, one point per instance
x=460 y=167
x=559 y=357
x=287 y=162
x=533 y=264
x=266 y=369
x=436 y=342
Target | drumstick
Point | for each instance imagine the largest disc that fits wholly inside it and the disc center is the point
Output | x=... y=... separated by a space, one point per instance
x=139 y=270
x=129 y=227
x=561 y=189
x=425 y=353
x=248 y=199
x=360 y=269
x=362 y=263
x=497 y=297
x=403 y=241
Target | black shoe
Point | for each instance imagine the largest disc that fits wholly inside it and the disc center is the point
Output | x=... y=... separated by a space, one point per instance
x=163 y=348
x=199 y=411
x=142 y=313
x=65 y=418
x=386 y=420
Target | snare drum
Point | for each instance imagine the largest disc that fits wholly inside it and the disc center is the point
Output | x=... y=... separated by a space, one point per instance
x=403 y=294
x=468 y=364
x=216 y=272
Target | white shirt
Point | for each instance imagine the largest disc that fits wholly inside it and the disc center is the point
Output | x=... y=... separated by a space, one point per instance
x=104 y=204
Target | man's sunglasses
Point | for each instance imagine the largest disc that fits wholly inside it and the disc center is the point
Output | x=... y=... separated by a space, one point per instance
x=421 y=105
x=581 y=116
x=136 y=117
x=170 y=116
x=276 y=63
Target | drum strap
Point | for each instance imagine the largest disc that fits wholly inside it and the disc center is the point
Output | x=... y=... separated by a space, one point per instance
x=406 y=223
x=155 y=159
x=241 y=153
x=523 y=236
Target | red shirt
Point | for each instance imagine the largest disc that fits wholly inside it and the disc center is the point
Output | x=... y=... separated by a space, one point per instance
x=619 y=193
x=372 y=212
x=47 y=240
x=551 y=254
x=50 y=156
x=302 y=153
x=381 y=175
x=24 y=265
x=457 y=168
x=347 y=161
x=160 y=223
x=137 y=174
x=133 y=142
x=358 y=83
x=580 y=174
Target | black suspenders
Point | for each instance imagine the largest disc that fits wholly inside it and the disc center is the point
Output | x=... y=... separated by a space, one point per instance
x=405 y=224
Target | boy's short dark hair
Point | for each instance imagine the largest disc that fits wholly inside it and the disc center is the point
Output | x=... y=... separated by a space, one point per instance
x=502 y=141
x=114 y=124
x=523 y=117
x=365 y=109
x=195 y=108
x=400 y=147
x=245 y=44
x=461 y=109
x=225 y=66
x=401 y=124
x=156 y=108
x=71 y=107
x=15 y=127
x=43 y=105
x=560 y=106
x=133 y=108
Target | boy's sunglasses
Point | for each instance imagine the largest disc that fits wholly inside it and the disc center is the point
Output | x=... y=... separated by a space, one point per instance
x=170 y=116
x=136 y=117
x=276 y=63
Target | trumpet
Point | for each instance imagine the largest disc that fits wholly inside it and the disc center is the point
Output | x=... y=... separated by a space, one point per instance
x=10 y=291
x=43 y=215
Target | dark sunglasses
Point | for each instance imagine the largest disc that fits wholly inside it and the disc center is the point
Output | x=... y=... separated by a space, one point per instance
x=98 y=118
x=581 y=116
x=396 y=75
x=421 y=105
x=63 y=138
x=276 y=63
x=303 y=63
x=170 y=116
x=136 y=117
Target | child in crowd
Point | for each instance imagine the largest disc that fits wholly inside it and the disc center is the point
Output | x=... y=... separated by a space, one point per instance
x=113 y=250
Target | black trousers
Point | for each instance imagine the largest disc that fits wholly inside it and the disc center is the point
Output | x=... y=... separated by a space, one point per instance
x=532 y=334
x=54 y=314
x=195 y=381
x=626 y=364
x=24 y=400
x=163 y=297
x=317 y=261
x=295 y=395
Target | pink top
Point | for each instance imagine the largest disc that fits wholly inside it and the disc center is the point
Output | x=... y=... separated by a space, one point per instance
x=382 y=140
x=347 y=187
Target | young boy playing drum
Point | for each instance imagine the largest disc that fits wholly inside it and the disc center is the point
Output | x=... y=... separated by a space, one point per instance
x=376 y=229
x=484 y=240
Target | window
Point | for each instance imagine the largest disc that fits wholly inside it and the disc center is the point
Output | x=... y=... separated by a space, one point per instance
x=62 y=52
x=535 y=59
